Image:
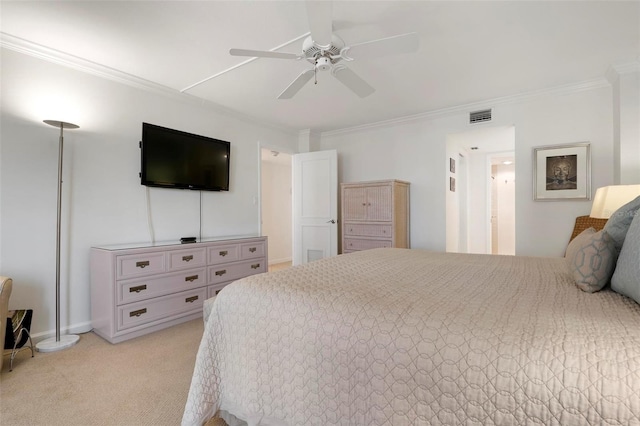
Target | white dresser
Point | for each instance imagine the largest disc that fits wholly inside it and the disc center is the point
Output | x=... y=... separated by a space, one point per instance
x=138 y=289
x=374 y=214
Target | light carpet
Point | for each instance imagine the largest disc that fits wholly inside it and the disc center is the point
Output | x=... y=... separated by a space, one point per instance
x=143 y=381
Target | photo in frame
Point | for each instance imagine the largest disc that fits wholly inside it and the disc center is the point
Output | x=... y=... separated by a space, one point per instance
x=452 y=165
x=562 y=172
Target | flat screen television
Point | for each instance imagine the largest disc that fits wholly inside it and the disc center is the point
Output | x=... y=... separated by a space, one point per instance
x=175 y=159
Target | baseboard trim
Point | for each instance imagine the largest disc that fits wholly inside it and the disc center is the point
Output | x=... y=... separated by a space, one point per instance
x=79 y=328
x=276 y=261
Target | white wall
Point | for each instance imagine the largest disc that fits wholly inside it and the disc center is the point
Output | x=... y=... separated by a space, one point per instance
x=416 y=151
x=453 y=200
x=104 y=202
x=276 y=209
x=626 y=93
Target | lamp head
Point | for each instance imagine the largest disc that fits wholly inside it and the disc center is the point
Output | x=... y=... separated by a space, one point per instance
x=608 y=199
x=61 y=124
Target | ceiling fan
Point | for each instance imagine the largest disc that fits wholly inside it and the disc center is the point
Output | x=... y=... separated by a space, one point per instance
x=326 y=51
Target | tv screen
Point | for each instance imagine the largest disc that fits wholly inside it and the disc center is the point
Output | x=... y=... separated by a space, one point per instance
x=175 y=159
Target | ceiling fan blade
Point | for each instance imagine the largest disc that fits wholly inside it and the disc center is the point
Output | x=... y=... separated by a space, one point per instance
x=320 y=15
x=403 y=43
x=263 y=54
x=296 y=85
x=350 y=79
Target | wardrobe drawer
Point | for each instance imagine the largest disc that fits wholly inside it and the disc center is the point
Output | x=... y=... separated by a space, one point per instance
x=161 y=308
x=368 y=230
x=356 y=244
x=136 y=265
x=221 y=273
x=184 y=259
x=224 y=253
x=252 y=250
x=141 y=289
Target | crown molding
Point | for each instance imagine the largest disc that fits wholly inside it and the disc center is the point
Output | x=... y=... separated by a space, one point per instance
x=466 y=108
x=35 y=50
x=616 y=70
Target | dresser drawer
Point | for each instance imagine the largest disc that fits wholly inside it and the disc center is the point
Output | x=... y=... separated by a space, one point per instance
x=224 y=253
x=141 y=289
x=137 y=265
x=221 y=273
x=184 y=259
x=351 y=244
x=252 y=250
x=160 y=308
x=368 y=230
x=213 y=290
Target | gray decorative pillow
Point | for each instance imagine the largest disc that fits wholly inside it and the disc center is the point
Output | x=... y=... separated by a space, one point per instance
x=619 y=222
x=591 y=257
x=626 y=278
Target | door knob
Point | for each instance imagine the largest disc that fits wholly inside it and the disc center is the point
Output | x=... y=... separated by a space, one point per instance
x=331 y=221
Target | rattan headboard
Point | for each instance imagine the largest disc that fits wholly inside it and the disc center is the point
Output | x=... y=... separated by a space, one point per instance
x=585 y=222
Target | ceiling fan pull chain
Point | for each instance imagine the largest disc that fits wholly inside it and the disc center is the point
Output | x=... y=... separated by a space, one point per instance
x=315 y=75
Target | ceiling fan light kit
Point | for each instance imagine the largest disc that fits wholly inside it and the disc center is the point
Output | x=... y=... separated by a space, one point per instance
x=325 y=50
x=323 y=63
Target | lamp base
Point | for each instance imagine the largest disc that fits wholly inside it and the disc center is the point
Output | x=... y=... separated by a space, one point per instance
x=51 y=345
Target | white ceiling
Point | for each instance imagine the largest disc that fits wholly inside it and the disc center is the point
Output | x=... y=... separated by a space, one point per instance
x=469 y=51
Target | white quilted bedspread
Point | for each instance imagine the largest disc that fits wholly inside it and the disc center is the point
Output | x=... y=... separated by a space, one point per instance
x=410 y=337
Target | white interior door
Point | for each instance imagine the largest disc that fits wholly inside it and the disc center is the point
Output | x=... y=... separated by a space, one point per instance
x=315 y=206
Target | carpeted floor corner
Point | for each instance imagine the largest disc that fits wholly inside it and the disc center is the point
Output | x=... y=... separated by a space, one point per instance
x=144 y=381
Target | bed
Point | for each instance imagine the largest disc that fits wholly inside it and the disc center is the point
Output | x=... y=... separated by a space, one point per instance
x=413 y=337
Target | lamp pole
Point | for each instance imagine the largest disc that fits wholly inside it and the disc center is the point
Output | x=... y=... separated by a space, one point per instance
x=59 y=342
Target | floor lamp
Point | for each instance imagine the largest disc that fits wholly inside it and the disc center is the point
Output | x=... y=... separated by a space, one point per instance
x=59 y=342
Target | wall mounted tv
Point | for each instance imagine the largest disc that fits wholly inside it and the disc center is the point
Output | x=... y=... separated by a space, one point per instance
x=175 y=159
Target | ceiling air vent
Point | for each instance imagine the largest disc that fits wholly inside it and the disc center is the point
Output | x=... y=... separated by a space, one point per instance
x=480 y=116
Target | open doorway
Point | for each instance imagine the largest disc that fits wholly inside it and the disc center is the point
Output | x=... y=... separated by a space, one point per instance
x=275 y=206
x=469 y=207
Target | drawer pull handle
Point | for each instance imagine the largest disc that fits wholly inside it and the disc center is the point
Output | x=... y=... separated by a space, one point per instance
x=142 y=264
x=187 y=258
x=255 y=266
x=218 y=291
x=138 y=288
x=223 y=253
x=192 y=278
x=138 y=312
x=221 y=273
x=252 y=249
x=191 y=299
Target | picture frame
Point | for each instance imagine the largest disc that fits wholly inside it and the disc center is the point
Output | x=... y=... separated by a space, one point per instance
x=562 y=172
x=452 y=184
x=452 y=165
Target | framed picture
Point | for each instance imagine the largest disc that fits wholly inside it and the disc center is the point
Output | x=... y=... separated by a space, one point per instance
x=562 y=172
x=452 y=184
x=452 y=165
